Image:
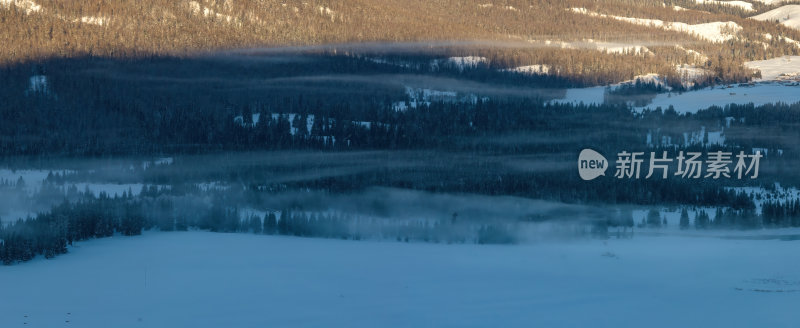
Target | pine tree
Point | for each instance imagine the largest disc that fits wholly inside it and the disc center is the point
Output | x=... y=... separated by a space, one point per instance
x=270 y=224
x=719 y=217
x=255 y=224
x=283 y=223
x=653 y=218
x=701 y=220
x=684 y=223
x=627 y=218
x=20 y=183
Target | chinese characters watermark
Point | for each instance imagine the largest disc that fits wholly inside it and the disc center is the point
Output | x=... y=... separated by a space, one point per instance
x=686 y=165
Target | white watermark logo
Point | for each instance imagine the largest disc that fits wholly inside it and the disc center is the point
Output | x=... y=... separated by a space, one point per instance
x=591 y=164
x=686 y=165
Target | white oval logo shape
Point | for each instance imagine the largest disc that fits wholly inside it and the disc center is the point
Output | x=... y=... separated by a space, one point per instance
x=591 y=164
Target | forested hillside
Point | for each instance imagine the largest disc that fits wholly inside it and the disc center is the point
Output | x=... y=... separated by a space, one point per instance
x=597 y=41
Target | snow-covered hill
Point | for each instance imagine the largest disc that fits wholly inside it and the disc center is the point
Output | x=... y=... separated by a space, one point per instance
x=713 y=31
x=787 y=15
x=771 y=2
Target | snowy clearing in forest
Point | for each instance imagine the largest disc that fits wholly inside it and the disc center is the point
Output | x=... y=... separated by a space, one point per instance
x=734 y=3
x=781 y=68
x=607 y=47
x=714 y=31
x=758 y=94
x=692 y=101
x=530 y=69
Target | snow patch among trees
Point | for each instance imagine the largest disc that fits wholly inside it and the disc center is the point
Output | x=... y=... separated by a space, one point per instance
x=714 y=32
x=781 y=68
x=38 y=84
x=207 y=12
x=607 y=47
x=92 y=20
x=530 y=69
x=692 y=101
x=738 y=4
x=466 y=62
x=27 y=5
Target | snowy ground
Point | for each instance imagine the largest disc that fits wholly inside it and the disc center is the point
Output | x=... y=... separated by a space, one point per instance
x=780 y=68
x=787 y=15
x=714 y=31
x=692 y=101
x=199 y=279
x=759 y=94
x=740 y=4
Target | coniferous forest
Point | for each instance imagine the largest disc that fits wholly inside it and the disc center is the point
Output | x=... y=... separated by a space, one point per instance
x=293 y=147
x=197 y=119
x=384 y=163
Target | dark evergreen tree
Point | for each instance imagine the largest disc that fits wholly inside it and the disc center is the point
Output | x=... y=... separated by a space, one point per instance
x=653 y=218
x=270 y=224
x=684 y=221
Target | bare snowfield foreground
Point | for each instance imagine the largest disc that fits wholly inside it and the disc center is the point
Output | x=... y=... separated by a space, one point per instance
x=200 y=279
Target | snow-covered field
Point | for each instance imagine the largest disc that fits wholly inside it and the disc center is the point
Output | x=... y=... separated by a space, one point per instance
x=778 y=83
x=759 y=94
x=781 y=68
x=692 y=101
x=199 y=279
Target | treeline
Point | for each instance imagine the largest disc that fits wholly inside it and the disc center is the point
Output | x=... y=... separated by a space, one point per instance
x=143 y=115
x=48 y=234
x=342 y=226
x=83 y=216
x=724 y=218
x=137 y=115
x=558 y=185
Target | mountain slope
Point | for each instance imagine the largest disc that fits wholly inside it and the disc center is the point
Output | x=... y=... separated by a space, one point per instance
x=786 y=15
x=618 y=42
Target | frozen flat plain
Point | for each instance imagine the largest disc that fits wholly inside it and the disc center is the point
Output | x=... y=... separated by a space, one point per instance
x=202 y=279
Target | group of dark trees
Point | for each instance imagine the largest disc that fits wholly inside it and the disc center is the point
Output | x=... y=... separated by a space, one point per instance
x=724 y=218
x=49 y=233
x=781 y=213
x=96 y=114
x=467 y=144
x=141 y=114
